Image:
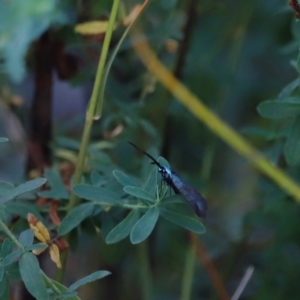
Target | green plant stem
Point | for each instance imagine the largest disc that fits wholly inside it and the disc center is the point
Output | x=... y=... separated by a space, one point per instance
x=89 y=121
x=11 y=236
x=188 y=274
x=93 y=103
x=146 y=279
x=50 y=284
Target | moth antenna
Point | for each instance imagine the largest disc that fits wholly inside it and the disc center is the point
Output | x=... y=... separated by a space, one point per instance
x=154 y=161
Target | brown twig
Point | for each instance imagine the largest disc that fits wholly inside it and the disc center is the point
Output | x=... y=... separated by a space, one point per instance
x=209 y=266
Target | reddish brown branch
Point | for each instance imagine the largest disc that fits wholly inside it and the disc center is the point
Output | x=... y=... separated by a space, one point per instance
x=209 y=266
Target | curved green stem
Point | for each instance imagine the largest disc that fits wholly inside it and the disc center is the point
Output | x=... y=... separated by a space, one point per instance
x=90 y=119
x=93 y=103
x=11 y=236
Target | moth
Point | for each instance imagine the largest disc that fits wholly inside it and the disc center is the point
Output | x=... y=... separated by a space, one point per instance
x=179 y=186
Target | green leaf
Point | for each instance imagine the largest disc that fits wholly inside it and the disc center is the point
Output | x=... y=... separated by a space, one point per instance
x=58 y=189
x=75 y=217
x=94 y=276
x=97 y=178
x=63 y=289
x=98 y=194
x=12 y=271
x=123 y=229
x=172 y=200
x=124 y=179
x=292 y=145
x=4 y=288
x=10 y=258
x=26 y=237
x=288 y=89
x=22 y=209
x=144 y=226
x=139 y=193
x=277 y=109
x=4 y=187
x=23 y=188
x=1 y=273
x=184 y=221
x=151 y=181
x=32 y=277
x=6 y=248
x=3 y=139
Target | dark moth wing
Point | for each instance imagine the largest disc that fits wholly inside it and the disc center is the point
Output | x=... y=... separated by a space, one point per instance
x=197 y=202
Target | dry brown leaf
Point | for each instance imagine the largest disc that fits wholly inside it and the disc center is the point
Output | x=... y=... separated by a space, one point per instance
x=55 y=255
x=53 y=212
x=40 y=230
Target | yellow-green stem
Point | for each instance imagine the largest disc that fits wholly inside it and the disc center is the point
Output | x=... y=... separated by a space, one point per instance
x=11 y=236
x=89 y=121
x=212 y=121
x=93 y=102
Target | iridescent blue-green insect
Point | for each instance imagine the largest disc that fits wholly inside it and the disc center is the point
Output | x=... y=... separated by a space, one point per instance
x=197 y=202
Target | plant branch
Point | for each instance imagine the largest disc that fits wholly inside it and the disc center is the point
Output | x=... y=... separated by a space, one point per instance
x=93 y=103
x=209 y=266
x=11 y=236
x=225 y=132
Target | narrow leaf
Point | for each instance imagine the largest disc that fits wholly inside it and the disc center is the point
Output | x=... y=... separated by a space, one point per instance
x=144 y=226
x=184 y=221
x=64 y=290
x=4 y=187
x=172 y=199
x=23 y=188
x=75 y=217
x=288 y=89
x=97 y=194
x=22 y=209
x=6 y=248
x=4 y=288
x=94 y=276
x=1 y=273
x=123 y=229
x=139 y=193
x=92 y=27
x=58 y=189
x=277 y=109
x=151 y=181
x=26 y=237
x=124 y=179
x=32 y=277
x=10 y=258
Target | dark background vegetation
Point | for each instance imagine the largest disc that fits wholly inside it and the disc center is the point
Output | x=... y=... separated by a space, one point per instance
x=233 y=55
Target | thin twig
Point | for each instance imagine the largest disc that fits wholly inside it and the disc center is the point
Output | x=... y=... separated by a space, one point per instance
x=243 y=283
x=209 y=266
